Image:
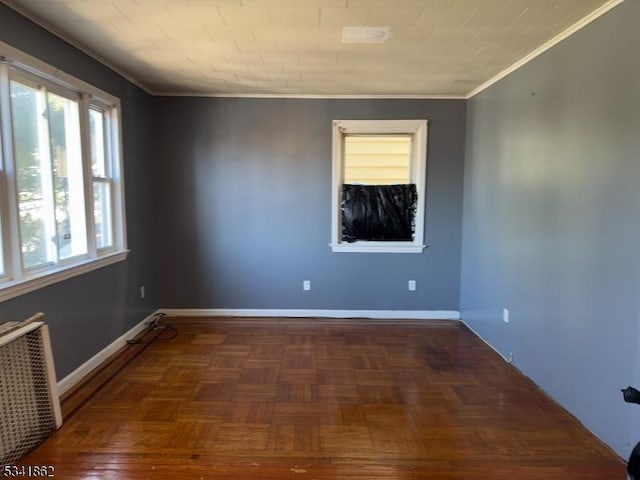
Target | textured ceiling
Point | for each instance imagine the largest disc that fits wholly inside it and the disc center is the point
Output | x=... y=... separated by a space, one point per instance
x=293 y=47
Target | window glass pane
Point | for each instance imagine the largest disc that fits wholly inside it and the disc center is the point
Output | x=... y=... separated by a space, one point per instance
x=100 y=169
x=97 y=133
x=377 y=159
x=68 y=189
x=37 y=229
x=102 y=214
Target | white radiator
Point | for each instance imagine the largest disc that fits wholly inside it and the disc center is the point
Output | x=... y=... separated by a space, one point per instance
x=29 y=403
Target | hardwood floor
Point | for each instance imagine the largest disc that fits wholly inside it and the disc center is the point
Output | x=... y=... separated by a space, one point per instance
x=321 y=399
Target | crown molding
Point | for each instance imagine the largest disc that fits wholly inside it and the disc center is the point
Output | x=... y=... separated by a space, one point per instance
x=313 y=96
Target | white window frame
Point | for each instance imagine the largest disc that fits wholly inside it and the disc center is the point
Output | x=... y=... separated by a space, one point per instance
x=418 y=173
x=17 y=280
x=113 y=176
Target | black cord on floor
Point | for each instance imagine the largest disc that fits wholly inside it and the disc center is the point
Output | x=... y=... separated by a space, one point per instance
x=156 y=324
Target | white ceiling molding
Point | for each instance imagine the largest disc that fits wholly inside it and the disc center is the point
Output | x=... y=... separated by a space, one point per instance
x=311 y=96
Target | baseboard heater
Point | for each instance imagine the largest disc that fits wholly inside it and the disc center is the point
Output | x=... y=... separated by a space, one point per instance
x=29 y=403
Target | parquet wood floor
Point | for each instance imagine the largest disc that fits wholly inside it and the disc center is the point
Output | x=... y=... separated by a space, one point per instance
x=322 y=399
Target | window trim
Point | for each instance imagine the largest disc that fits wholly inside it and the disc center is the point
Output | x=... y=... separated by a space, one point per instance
x=16 y=280
x=418 y=167
x=15 y=288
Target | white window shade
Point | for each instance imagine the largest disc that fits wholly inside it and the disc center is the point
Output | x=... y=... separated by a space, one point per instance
x=377 y=159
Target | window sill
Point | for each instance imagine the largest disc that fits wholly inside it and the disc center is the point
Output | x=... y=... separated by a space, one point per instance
x=377 y=247
x=13 y=289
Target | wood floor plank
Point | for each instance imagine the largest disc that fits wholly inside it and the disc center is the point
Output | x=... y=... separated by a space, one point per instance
x=319 y=399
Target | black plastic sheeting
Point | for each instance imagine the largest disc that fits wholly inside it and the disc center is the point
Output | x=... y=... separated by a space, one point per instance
x=632 y=395
x=378 y=212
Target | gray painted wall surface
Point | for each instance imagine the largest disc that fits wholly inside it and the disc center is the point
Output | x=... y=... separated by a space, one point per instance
x=243 y=202
x=87 y=313
x=551 y=229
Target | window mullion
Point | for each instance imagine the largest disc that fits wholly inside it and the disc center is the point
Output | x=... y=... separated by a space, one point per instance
x=85 y=142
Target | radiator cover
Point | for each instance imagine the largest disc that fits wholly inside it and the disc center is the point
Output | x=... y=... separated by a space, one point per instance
x=29 y=403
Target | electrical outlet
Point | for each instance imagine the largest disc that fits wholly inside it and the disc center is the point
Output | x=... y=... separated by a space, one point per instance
x=505 y=315
x=306 y=285
x=142 y=291
x=412 y=285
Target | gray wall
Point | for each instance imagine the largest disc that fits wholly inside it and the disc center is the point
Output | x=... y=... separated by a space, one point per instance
x=243 y=202
x=551 y=229
x=87 y=313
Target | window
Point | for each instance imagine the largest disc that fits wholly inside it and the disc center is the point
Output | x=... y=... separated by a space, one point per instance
x=378 y=191
x=48 y=161
x=102 y=178
x=61 y=210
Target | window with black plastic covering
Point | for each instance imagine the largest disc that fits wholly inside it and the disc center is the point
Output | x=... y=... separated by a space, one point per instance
x=383 y=213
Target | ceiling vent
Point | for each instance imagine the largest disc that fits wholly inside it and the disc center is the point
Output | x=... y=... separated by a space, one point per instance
x=365 y=34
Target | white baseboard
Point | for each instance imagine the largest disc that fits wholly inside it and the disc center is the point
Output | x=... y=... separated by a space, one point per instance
x=310 y=313
x=87 y=367
x=506 y=359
